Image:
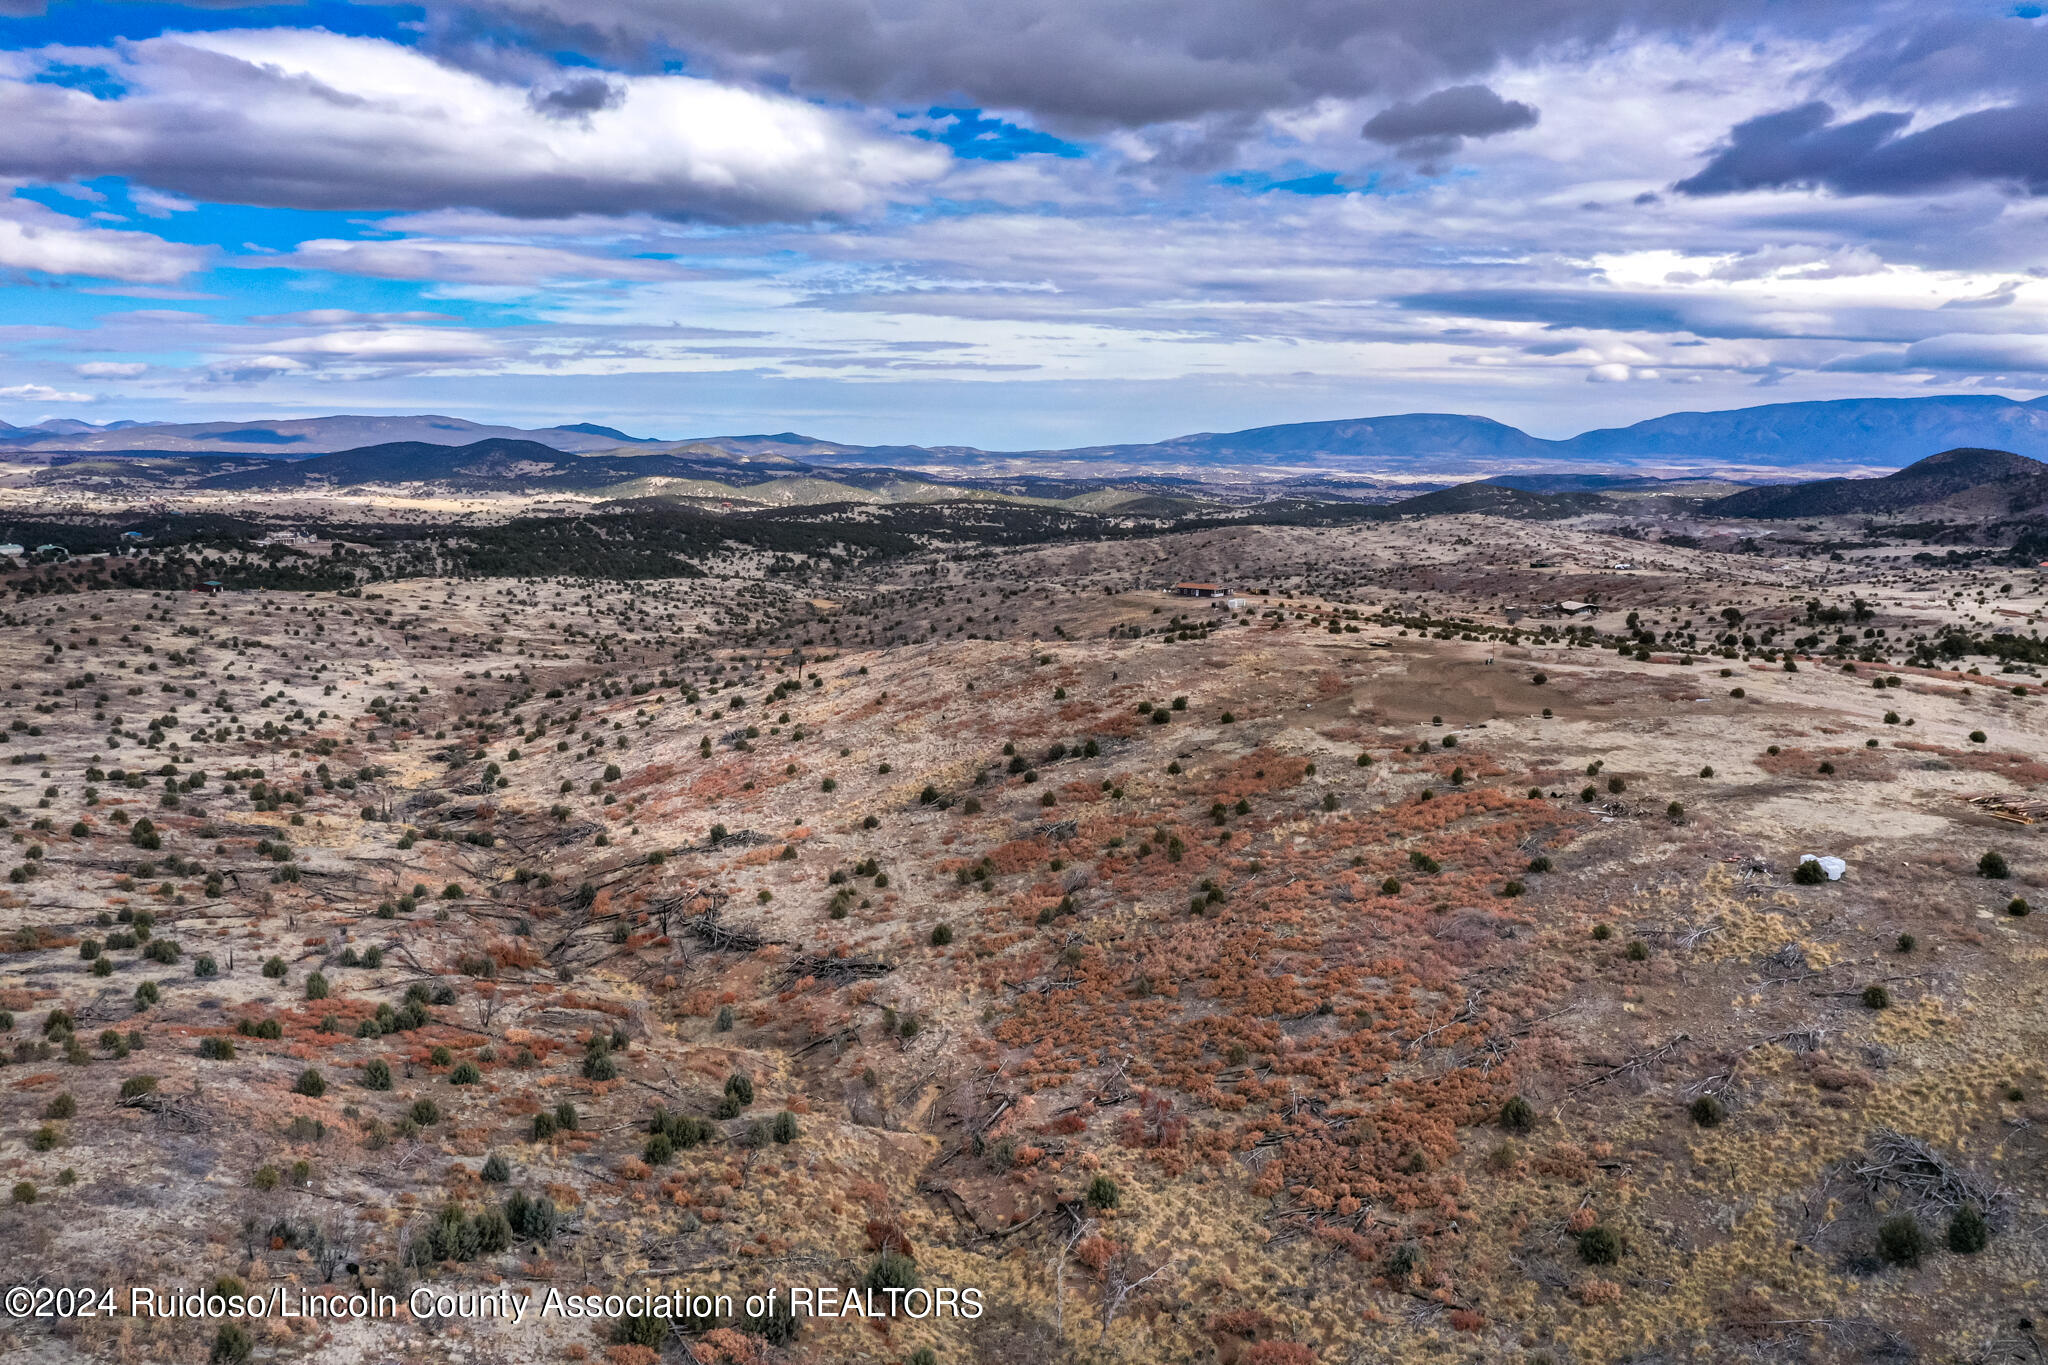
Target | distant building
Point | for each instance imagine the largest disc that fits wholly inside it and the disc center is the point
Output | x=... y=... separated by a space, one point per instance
x=1199 y=590
x=212 y=587
x=1576 y=608
x=12 y=551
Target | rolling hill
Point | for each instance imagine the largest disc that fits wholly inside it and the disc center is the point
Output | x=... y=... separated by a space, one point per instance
x=702 y=477
x=1497 y=500
x=494 y=464
x=1966 y=482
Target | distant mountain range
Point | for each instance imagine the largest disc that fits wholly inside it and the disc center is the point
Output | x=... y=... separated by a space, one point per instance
x=1842 y=434
x=292 y=437
x=1880 y=432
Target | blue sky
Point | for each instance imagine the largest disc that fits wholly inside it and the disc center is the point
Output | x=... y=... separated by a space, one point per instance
x=1048 y=223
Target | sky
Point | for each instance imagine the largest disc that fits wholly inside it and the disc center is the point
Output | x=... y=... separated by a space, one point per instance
x=1036 y=224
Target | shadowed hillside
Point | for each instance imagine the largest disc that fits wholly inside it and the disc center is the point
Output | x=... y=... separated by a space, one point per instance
x=2013 y=482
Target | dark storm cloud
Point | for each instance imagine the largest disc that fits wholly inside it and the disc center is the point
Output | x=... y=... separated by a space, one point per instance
x=1107 y=63
x=1555 y=308
x=1804 y=148
x=1800 y=146
x=1932 y=57
x=1438 y=124
x=1996 y=354
x=576 y=98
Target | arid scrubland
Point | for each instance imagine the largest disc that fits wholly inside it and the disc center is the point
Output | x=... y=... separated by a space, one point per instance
x=1387 y=967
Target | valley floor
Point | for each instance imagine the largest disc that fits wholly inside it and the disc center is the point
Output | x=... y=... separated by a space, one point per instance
x=1389 y=968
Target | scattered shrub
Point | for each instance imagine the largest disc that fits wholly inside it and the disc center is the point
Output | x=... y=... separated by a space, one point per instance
x=1599 y=1245
x=1900 y=1241
x=892 y=1270
x=1968 y=1233
x=232 y=1345
x=645 y=1330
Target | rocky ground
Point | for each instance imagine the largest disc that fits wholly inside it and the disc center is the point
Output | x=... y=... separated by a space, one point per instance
x=1387 y=968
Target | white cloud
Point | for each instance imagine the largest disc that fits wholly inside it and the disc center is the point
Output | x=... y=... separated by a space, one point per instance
x=469 y=262
x=252 y=369
x=35 y=238
x=391 y=344
x=43 y=393
x=311 y=119
x=111 y=369
x=151 y=204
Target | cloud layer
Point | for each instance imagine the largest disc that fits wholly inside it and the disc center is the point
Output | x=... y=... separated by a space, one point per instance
x=1045 y=222
x=1095 y=64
